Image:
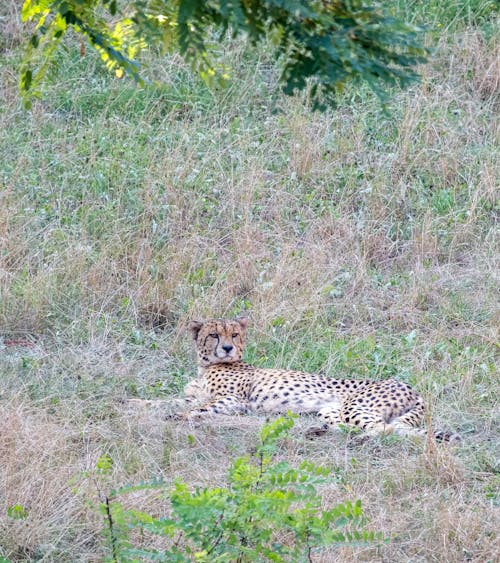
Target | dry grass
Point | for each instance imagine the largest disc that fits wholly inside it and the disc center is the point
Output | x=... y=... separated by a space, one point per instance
x=359 y=244
x=12 y=32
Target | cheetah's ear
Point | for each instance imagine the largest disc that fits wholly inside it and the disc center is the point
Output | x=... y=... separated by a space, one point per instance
x=242 y=321
x=195 y=327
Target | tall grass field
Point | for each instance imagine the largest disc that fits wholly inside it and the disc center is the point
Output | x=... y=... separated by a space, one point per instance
x=361 y=242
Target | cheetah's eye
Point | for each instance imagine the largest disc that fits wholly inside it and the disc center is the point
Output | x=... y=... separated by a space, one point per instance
x=214 y=335
x=235 y=335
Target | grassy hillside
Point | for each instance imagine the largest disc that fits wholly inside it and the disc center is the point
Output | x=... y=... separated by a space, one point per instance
x=359 y=242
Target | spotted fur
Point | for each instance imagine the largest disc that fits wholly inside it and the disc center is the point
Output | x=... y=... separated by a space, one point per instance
x=227 y=385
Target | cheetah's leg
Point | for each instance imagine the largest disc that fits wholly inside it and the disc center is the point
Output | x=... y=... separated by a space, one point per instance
x=330 y=416
x=408 y=424
x=404 y=429
x=366 y=418
x=225 y=405
x=356 y=416
x=195 y=393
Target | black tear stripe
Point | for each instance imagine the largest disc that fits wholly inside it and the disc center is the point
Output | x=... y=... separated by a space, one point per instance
x=207 y=337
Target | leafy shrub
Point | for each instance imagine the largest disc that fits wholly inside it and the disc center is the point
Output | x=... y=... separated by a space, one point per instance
x=332 y=43
x=269 y=511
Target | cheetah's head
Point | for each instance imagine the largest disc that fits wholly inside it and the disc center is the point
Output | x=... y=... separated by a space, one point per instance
x=219 y=341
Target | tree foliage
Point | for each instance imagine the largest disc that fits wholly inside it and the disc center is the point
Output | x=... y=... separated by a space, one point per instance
x=269 y=511
x=321 y=43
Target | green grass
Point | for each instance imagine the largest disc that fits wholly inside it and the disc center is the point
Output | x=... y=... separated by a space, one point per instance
x=361 y=243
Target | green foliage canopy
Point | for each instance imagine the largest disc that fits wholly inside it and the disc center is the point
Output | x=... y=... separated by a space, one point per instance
x=321 y=43
x=270 y=511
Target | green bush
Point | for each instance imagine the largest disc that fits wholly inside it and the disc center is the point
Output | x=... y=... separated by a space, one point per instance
x=322 y=44
x=269 y=511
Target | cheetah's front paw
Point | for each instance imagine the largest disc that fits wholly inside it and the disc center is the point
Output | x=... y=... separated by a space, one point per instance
x=316 y=431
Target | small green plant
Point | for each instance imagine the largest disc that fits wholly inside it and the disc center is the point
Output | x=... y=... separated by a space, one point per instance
x=269 y=511
x=18 y=512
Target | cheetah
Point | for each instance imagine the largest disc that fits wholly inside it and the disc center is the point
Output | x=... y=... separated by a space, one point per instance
x=227 y=385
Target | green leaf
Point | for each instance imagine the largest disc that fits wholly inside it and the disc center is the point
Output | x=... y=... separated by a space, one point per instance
x=320 y=45
x=26 y=79
x=104 y=464
x=17 y=512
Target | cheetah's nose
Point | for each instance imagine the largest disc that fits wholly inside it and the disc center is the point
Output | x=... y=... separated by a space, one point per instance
x=227 y=348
